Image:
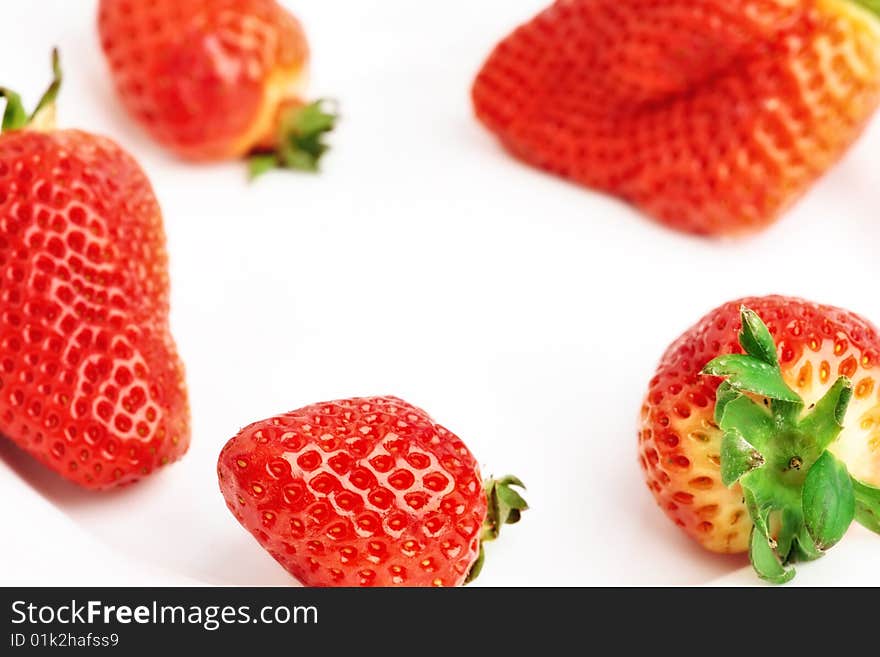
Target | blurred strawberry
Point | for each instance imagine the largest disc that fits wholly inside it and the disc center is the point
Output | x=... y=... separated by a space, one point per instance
x=216 y=79
x=712 y=116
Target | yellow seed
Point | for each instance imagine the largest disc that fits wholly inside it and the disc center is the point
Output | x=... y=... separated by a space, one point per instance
x=805 y=375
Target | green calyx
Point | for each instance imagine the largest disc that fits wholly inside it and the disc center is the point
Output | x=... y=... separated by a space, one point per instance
x=800 y=497
x=504 y=506
x=871 y=5
x=16 y=118
x=300 y=143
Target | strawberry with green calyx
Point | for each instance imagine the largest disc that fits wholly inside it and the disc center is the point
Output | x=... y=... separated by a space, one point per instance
x=799 y=496
x=90 y=380
x=680 y=441
x=217 y=79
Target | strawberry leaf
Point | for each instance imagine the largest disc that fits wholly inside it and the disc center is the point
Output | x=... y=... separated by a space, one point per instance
x=805 y=548
x=756 y=512
x=46 y=105
x=766 y=562
x=747 y=418
x=302 y=132
x=871 y=5
x=778 y=456
x=260 y=164
x=477 y=568
x=14 y=116
x=825 y=421
x=755 y=338
x=791 y=522
x=867 y=505
x=504 y=506
x=738 y=457
x=748 y=374
x=723 y=396
x=829 y=501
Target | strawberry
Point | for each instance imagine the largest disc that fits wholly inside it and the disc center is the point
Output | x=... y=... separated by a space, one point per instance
x=709 y=115
x=90 y=381
x=365 y=492
x=770 y=444
x=216 y=79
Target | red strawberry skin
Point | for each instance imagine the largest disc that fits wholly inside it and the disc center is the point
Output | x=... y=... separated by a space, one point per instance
x=207 y=78
x=90 y=380
x=358 y=492
x=710 y=116
x=679 y=442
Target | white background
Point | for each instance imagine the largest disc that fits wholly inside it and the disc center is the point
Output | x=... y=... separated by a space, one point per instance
x=523 y=312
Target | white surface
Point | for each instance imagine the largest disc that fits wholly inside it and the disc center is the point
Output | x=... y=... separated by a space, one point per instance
x=523 y=312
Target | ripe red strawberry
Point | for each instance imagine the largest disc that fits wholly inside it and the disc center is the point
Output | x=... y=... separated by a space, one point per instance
x=711 y=116
x=90 y=381
x=216 y=79
x=796 y=422
x=365 y=492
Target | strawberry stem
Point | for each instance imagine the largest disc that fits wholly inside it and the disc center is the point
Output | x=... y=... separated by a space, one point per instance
x=300 y=143
x=15 y=117
x=504 y=506
x=800 y=497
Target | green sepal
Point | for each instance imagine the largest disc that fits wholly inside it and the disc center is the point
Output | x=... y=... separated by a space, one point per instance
x=829 y=501
x=504 y=506
x=755 y=338
x=867 y=505
x=871 y=5
x=766 y=562
x=825 y=421
x=477 y=567
x=791 y=522
x=47 y=100
x=777 y=453
x=15 y=117
x=738 y=457
x=748 y=374
x=748 y=419
x=723 y=396
x=300 y=143
x=260 y=164
x=759 y=518
x=804 y=547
